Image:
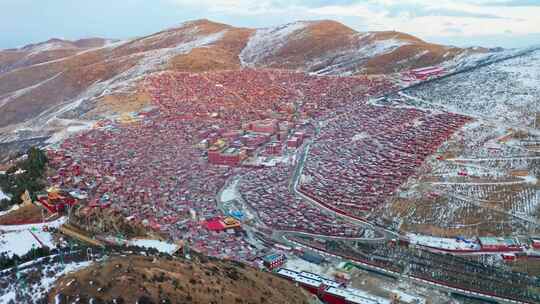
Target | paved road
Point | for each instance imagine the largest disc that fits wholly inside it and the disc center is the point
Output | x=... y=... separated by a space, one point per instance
x=278 y=234
x=382 y=234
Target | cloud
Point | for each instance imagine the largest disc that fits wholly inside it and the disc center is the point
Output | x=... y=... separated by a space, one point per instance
x=456 y=13
x=390 y=8
x=316 y=3
x=421 y=11
x=453 y=30
x=513 y=3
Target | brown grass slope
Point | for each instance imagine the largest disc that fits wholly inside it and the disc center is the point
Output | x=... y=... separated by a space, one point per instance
x=33 y=54
x=403 y=58
x=55 y=83
x=160 y=280
x=223 y=55
x=327 y=42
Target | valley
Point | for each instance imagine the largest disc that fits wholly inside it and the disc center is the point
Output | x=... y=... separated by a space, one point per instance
x=307 y=150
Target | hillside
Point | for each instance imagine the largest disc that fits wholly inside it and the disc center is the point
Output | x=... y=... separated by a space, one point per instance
x=50 y=50
x=140 y=279
x=44 y=86
x=484 y=180
x=329 y=47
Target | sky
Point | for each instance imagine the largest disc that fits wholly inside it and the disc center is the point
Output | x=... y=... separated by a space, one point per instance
x=489 y=23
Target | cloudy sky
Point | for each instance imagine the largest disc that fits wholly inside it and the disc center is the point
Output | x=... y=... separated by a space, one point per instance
x=507 y=23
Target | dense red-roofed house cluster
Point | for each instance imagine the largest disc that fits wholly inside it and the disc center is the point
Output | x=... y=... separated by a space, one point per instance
x=266 y=191
x=159 y=169
x=360 y=159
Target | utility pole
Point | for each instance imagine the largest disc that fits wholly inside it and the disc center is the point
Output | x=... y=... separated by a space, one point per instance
x=536 y=114
x=186 y=250
x=61 y=257
x=69 y=213
x=89 y=254
x=20 y=280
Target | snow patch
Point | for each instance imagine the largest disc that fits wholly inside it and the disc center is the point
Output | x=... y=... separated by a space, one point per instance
x=505 y=91
x=345 y=61
x=360 y=136
x=3 y=196
x=230 y=193
x=155 y=60
x=380 y=47
x=299 y=265
x=161 y=246
x=18 y=243
x=531 y=179
x=268 y=41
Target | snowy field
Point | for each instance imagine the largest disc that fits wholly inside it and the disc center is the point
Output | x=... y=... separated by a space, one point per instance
x=484 y=180
x=484 y=169
x=506 y=91
x=485 y=187
x=21 y=242
x=161 y=246
x=35 y=292
x=20 y=239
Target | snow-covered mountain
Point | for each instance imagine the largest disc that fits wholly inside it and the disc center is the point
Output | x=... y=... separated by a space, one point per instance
x=329 y=47
x=500 y=87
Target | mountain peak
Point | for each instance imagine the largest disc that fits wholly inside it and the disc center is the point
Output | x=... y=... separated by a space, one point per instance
x=64 y=44
x=202 y=23
x=386 y=35
x=330 y=24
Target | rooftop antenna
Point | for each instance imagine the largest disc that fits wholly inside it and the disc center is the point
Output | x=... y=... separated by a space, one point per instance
x=186 y=250
x=536 y=115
